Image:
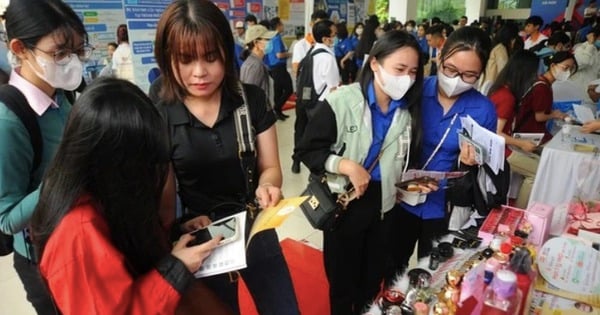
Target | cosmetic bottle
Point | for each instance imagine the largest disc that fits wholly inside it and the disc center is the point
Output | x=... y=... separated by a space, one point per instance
x=502 y=297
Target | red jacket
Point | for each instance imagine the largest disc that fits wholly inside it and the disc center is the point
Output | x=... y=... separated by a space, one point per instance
x=86 y=274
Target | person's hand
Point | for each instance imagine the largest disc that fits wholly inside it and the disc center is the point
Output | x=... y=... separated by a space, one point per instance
x=591 y=126
x=467 y=154
x=428 y=187
x=195 y=223
x=268 y=195
x=557 y=114
x=527 y=146
x=359 y=177
x=398 y=196
x=192 y=257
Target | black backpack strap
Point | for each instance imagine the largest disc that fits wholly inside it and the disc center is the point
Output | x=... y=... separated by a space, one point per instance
x=246 y=143
x=17 y=103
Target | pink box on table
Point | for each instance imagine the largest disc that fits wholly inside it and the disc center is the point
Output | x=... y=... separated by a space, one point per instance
x=540 y=217
x=507 y=217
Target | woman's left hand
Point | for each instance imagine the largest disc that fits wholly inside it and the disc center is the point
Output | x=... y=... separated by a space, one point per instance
x=268 y=195
x=467 y=154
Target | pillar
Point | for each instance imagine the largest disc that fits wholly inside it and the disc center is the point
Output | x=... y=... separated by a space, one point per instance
x=403 y=10
x=474 y=9
x=309 y=8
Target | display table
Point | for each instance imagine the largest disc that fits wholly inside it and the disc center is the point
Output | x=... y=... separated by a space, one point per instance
x=562 y=170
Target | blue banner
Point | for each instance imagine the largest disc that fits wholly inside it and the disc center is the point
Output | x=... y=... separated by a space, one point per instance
x=549 y=10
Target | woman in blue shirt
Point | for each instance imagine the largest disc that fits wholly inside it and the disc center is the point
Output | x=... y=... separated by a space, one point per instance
x=446 y=98
x=344 y=52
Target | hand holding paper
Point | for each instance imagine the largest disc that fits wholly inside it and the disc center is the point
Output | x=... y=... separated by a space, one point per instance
x=583 y=113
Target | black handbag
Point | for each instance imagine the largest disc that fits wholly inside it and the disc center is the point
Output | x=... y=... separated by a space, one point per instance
x=321 y=208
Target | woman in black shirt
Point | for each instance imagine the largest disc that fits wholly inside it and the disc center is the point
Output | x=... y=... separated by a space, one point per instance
x=200 y=93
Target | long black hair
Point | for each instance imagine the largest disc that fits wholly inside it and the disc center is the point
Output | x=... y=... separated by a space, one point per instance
x=367 y=38
x=505 y=36
x=518 y=75
x=385 y=46
x=115 y=151
x=31 y=20
x=468 y=38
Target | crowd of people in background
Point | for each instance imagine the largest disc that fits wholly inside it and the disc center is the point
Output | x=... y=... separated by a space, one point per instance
x=94 y=210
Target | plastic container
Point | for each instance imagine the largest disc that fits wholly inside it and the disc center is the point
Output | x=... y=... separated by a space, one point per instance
x=412 y=198
x=503 y=297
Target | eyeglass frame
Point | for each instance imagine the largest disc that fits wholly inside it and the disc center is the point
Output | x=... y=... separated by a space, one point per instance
x=67 y=58
x=458 y=73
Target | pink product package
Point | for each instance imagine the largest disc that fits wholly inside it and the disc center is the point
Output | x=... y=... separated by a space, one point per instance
x=507 y=218
x=540 y=217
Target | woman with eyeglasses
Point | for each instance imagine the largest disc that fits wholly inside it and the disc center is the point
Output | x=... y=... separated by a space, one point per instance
x=48 y=42
x=446 y=98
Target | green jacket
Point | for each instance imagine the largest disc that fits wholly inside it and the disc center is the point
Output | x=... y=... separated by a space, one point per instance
x=355 y=135
x=16 y=159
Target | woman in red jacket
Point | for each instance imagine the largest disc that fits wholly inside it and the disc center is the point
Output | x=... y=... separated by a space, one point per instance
x=97 y=225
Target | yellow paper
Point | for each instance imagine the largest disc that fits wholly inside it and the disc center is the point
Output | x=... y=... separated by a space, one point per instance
x=284 y=9
x=273 y=217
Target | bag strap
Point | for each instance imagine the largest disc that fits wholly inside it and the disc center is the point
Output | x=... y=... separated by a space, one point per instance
x=521 y=122
x=246 y=142
x=439 y=145
x=17 y=103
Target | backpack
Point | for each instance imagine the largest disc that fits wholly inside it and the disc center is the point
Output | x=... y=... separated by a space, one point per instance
x=17 y=103
x=306 y=94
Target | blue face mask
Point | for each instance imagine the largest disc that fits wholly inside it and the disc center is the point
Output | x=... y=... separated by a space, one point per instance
x=269 y=47
x=597 y=43
x=336 y=41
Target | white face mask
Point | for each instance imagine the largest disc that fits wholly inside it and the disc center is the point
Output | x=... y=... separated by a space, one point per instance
x=409 y=29
x=66 y=77
x=561 y=75
x=452 y=86
x=395 y=86
x=359 y=31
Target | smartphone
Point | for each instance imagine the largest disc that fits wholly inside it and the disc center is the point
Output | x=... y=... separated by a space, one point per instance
x=226 y=227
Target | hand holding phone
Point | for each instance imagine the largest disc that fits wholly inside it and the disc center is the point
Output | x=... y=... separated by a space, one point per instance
x=193 y=257
x=227 y=228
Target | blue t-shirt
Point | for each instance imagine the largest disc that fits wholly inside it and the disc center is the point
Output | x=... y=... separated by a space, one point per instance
x=435 y=123
x=271 y=59
x=381 y=124
x=423 y=43
x=343 y=47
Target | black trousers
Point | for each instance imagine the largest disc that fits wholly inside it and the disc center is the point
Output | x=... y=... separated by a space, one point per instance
x=354 y=254
x=406 y=229
x=282 y=86
x=37 y=292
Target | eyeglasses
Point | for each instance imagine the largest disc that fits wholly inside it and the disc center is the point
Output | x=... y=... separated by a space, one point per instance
x=467 y=77
x=63 y=56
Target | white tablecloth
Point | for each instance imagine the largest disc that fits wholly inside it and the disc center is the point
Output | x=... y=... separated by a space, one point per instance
x=563 y=173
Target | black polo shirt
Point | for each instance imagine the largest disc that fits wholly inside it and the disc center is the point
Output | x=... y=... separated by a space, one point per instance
x=206 y=159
